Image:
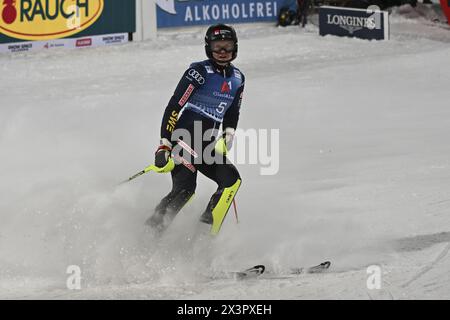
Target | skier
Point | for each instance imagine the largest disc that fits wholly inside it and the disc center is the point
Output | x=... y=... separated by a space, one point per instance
x=302 y=12
x=209 y=94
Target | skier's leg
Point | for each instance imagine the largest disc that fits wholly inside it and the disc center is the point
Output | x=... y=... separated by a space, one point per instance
x=183 y=188
x=305 y=10
x=228 y=180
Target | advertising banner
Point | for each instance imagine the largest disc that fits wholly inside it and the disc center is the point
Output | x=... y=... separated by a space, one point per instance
x=70 y=43
x=177 y=13
x=44 y=20
x=37 y=20
x=360 y=23
x=445 y=4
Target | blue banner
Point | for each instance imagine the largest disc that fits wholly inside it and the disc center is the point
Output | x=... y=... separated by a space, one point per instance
x=177 y=13
x=365 y=24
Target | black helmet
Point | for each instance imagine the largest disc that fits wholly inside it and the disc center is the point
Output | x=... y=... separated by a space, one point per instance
x=220 y=32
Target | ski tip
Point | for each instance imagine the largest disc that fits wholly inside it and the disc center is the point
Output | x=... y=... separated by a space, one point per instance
x=252 y=272
x=259 y=269
x=323 y=267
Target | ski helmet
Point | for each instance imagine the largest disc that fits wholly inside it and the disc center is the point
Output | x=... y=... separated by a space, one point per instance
x=220 y=32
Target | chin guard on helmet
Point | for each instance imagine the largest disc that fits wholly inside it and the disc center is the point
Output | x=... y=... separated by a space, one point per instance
x=220 y=32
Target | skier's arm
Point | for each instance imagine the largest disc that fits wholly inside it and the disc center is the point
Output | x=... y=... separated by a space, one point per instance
x=231 y=118
x=193 y=78
x=230 y=122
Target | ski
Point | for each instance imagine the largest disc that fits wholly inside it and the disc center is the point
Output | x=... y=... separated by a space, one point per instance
x=258 y=270
x=252 y=272
x=315 y=269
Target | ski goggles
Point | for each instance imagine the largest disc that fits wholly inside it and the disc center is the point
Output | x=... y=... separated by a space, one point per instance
x=223 y=45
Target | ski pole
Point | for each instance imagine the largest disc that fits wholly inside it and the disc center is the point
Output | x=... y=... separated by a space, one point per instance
x=167 y=168
x=235 y=211
x=147 y=169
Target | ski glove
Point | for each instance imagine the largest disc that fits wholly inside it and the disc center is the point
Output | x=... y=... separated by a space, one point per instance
x=224 y=144
x=163 y=160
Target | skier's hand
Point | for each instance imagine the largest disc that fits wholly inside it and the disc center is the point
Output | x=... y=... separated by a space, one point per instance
x=224 y=144
x=162 y=154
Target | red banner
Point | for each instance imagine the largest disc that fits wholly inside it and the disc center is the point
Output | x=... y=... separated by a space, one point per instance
x=445 y=4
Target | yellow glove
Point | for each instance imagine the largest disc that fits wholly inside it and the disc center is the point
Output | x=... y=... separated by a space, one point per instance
x=163 y=160
x=224 y=144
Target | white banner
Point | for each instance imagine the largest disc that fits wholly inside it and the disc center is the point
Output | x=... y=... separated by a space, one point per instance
x=71 y=43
